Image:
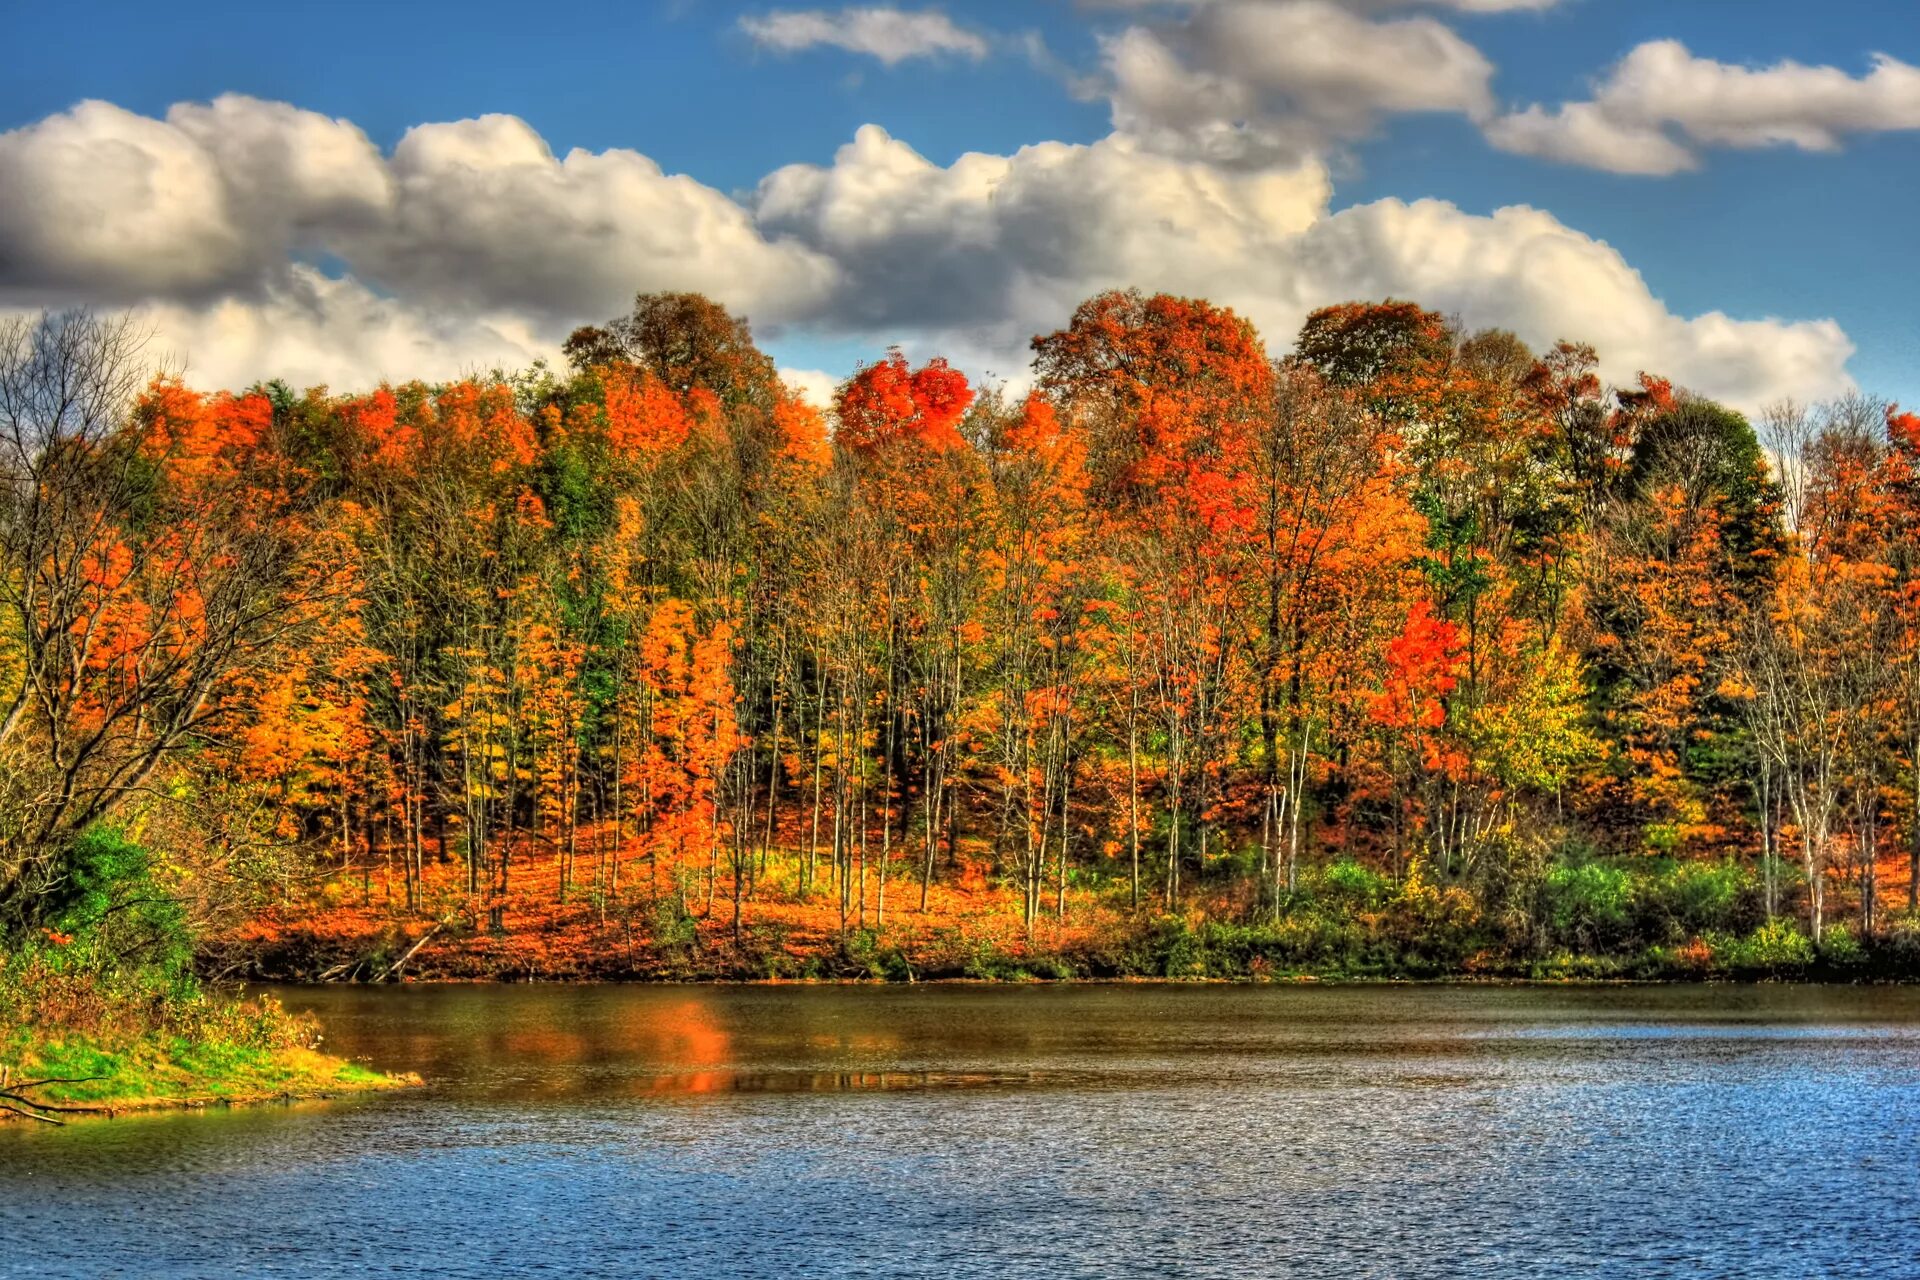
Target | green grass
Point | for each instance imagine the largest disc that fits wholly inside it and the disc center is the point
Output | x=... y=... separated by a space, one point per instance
x=160 y=1071
x=136 y=1041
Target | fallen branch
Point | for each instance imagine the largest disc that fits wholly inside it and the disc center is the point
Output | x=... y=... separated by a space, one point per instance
x=394 y=969
x=336 y=972
x=35 y=1084
x=54 y=1107
x=31 y=1115
x=14 y=1099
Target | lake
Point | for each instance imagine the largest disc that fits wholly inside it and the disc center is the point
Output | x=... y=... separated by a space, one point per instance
x=1048 y=1131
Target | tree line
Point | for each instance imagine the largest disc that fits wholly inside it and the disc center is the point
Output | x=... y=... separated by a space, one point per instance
x=1175 y=631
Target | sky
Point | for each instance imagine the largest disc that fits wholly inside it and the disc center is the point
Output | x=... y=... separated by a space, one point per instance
x=1719 y=191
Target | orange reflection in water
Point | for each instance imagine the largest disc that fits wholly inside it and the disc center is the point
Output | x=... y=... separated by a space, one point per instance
x=686 y=1035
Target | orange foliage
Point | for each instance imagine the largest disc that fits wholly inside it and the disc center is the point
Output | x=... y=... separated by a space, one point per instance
x=888 y=401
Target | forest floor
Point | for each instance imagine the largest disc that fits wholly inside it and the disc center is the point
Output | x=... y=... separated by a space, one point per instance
x=356 y=925
x=666 y=923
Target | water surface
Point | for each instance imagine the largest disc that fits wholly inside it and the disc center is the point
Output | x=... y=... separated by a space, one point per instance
x=1048 y=1131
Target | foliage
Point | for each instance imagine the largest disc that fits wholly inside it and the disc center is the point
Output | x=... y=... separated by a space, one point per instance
x=1589 y=905
x=1778 y=946
x=1415 y=651
x=107 y=901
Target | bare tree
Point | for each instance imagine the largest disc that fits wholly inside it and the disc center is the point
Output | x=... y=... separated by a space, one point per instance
x=128 y=593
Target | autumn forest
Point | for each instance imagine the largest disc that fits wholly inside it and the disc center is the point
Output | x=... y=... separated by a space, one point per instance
x=1416 y=652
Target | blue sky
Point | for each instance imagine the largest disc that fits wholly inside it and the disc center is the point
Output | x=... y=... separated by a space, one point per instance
x=1759 y=232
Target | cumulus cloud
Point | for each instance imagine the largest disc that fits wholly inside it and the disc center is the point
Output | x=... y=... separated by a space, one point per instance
x=1468 y=6
x=991 y=246
x=215 y=200
x=484 y=213
x=113 y=204
x=1582 y=133
x=1249 y=81
x=816 y=386
x=1031 y=234
x=1652 y=112
x=472 y=245
x=891 y=35
x=310 y=329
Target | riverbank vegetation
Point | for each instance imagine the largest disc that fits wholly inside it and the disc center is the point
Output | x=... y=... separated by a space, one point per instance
x=136 y=583
x=1415 y=653
x=74 y=1043
x=101 y=1014
x=1640 y=920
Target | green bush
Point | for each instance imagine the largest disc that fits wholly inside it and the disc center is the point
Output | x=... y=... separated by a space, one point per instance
x=1176 y=950
x=1775 y=947
x=1305 y=940
x=111 y=910
x=1588 y=906
x=1352 y=886
x=41 y=987
x=674 y=928
x=1703 y=895
x=1900 y=946
x=1663 y=837
x=863 y=954
x=1840 y=947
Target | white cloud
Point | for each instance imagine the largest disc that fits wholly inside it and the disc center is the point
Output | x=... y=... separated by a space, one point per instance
x=484 y=214
x=816 y=386
x=891 y=35
x=108 y=206
x=1523 y=269
x=312 y=330
x=992 y=247
x=1253 y=82
x=291 y=171
x=473 y=245
x=1661 y=94
x=101 y=198
x=1474 y=6
x=1582 y=133
x=1030 y=235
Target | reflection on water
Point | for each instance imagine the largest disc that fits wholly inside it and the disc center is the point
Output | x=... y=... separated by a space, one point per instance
x=822 y=1081
x=960 y=1131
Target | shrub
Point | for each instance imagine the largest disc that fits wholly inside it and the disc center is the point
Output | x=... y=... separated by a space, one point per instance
x=1664 y=837
x=1588 y=905
x=1703 y=895
x=41 y=988
x=1696 y=957
x=1352 y=886
x=863 y=954
x=1840 y=948
x=1901 y=944
x=109 y=903
x=675 y=930
x=1774 y=947
x=1176 y=949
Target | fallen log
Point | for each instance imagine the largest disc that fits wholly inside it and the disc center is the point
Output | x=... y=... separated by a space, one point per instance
x=393 y=970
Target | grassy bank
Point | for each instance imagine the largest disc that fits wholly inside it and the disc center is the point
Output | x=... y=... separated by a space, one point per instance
x=75 y=1043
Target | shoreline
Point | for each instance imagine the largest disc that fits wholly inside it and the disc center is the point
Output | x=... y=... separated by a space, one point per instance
x=1155 y=980
x=138 y=1083
x=161 y=1106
